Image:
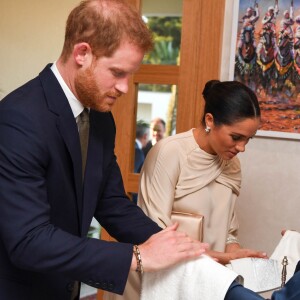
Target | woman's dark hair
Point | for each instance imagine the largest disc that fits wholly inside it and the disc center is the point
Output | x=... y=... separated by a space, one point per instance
x=229 y=102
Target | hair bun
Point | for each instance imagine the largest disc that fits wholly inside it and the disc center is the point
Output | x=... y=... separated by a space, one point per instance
x=208 y=86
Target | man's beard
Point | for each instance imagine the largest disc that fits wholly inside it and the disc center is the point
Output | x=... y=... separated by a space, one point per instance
x=89 y=93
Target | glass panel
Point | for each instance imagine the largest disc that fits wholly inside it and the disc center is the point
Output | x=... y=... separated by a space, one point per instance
x=164 y=20
x=156 y=118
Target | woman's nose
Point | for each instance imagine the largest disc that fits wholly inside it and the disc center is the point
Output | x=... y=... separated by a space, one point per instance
x=240 y=147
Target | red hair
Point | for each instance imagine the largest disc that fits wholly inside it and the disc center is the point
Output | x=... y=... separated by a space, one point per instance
x=104 y=24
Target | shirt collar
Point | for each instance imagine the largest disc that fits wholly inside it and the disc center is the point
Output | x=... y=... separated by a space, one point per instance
x=75 y=104
x=139 y=143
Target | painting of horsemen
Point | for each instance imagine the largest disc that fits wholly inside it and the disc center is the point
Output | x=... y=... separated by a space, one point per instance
x=267 y=59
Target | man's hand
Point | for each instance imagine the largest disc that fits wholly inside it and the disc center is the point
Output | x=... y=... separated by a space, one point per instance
x=168 y=247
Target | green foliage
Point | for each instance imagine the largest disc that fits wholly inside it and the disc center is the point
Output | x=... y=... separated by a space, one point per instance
x=155 y=87
x=167 y=27
x=167 y=37
x=164 y=53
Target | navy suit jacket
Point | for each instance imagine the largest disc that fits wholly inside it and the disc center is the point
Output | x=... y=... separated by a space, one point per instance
x=46 y=211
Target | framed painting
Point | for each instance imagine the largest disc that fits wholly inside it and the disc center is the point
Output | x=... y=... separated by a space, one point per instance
x=261 y=41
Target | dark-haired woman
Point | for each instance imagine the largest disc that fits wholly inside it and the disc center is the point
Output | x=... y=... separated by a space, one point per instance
x=198 y=173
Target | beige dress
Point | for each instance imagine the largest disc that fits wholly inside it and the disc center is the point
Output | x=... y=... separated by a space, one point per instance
x=178 y=175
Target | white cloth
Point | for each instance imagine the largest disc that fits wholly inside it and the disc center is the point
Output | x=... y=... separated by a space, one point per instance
x=288 y=246
x=200 y=279
x=205 y=279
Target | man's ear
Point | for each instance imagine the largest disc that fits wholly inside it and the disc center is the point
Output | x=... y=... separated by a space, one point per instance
x=82 y=53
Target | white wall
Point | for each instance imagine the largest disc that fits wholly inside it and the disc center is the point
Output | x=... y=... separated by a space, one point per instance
x=152 y=105
x=32 y=34
x=270 y=196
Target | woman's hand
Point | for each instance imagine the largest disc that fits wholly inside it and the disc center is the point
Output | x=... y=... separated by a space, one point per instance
x=234 y=251
x=241 y=253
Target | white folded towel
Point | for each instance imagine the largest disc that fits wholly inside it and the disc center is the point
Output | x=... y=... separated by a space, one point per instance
x=200 y=279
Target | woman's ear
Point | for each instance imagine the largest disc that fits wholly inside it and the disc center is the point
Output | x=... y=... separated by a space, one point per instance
x=82 y=53
x=209 y=120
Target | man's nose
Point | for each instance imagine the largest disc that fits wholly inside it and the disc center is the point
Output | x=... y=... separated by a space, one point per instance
x=122 y=85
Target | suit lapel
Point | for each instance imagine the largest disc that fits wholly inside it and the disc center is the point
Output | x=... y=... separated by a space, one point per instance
x=66 y=124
